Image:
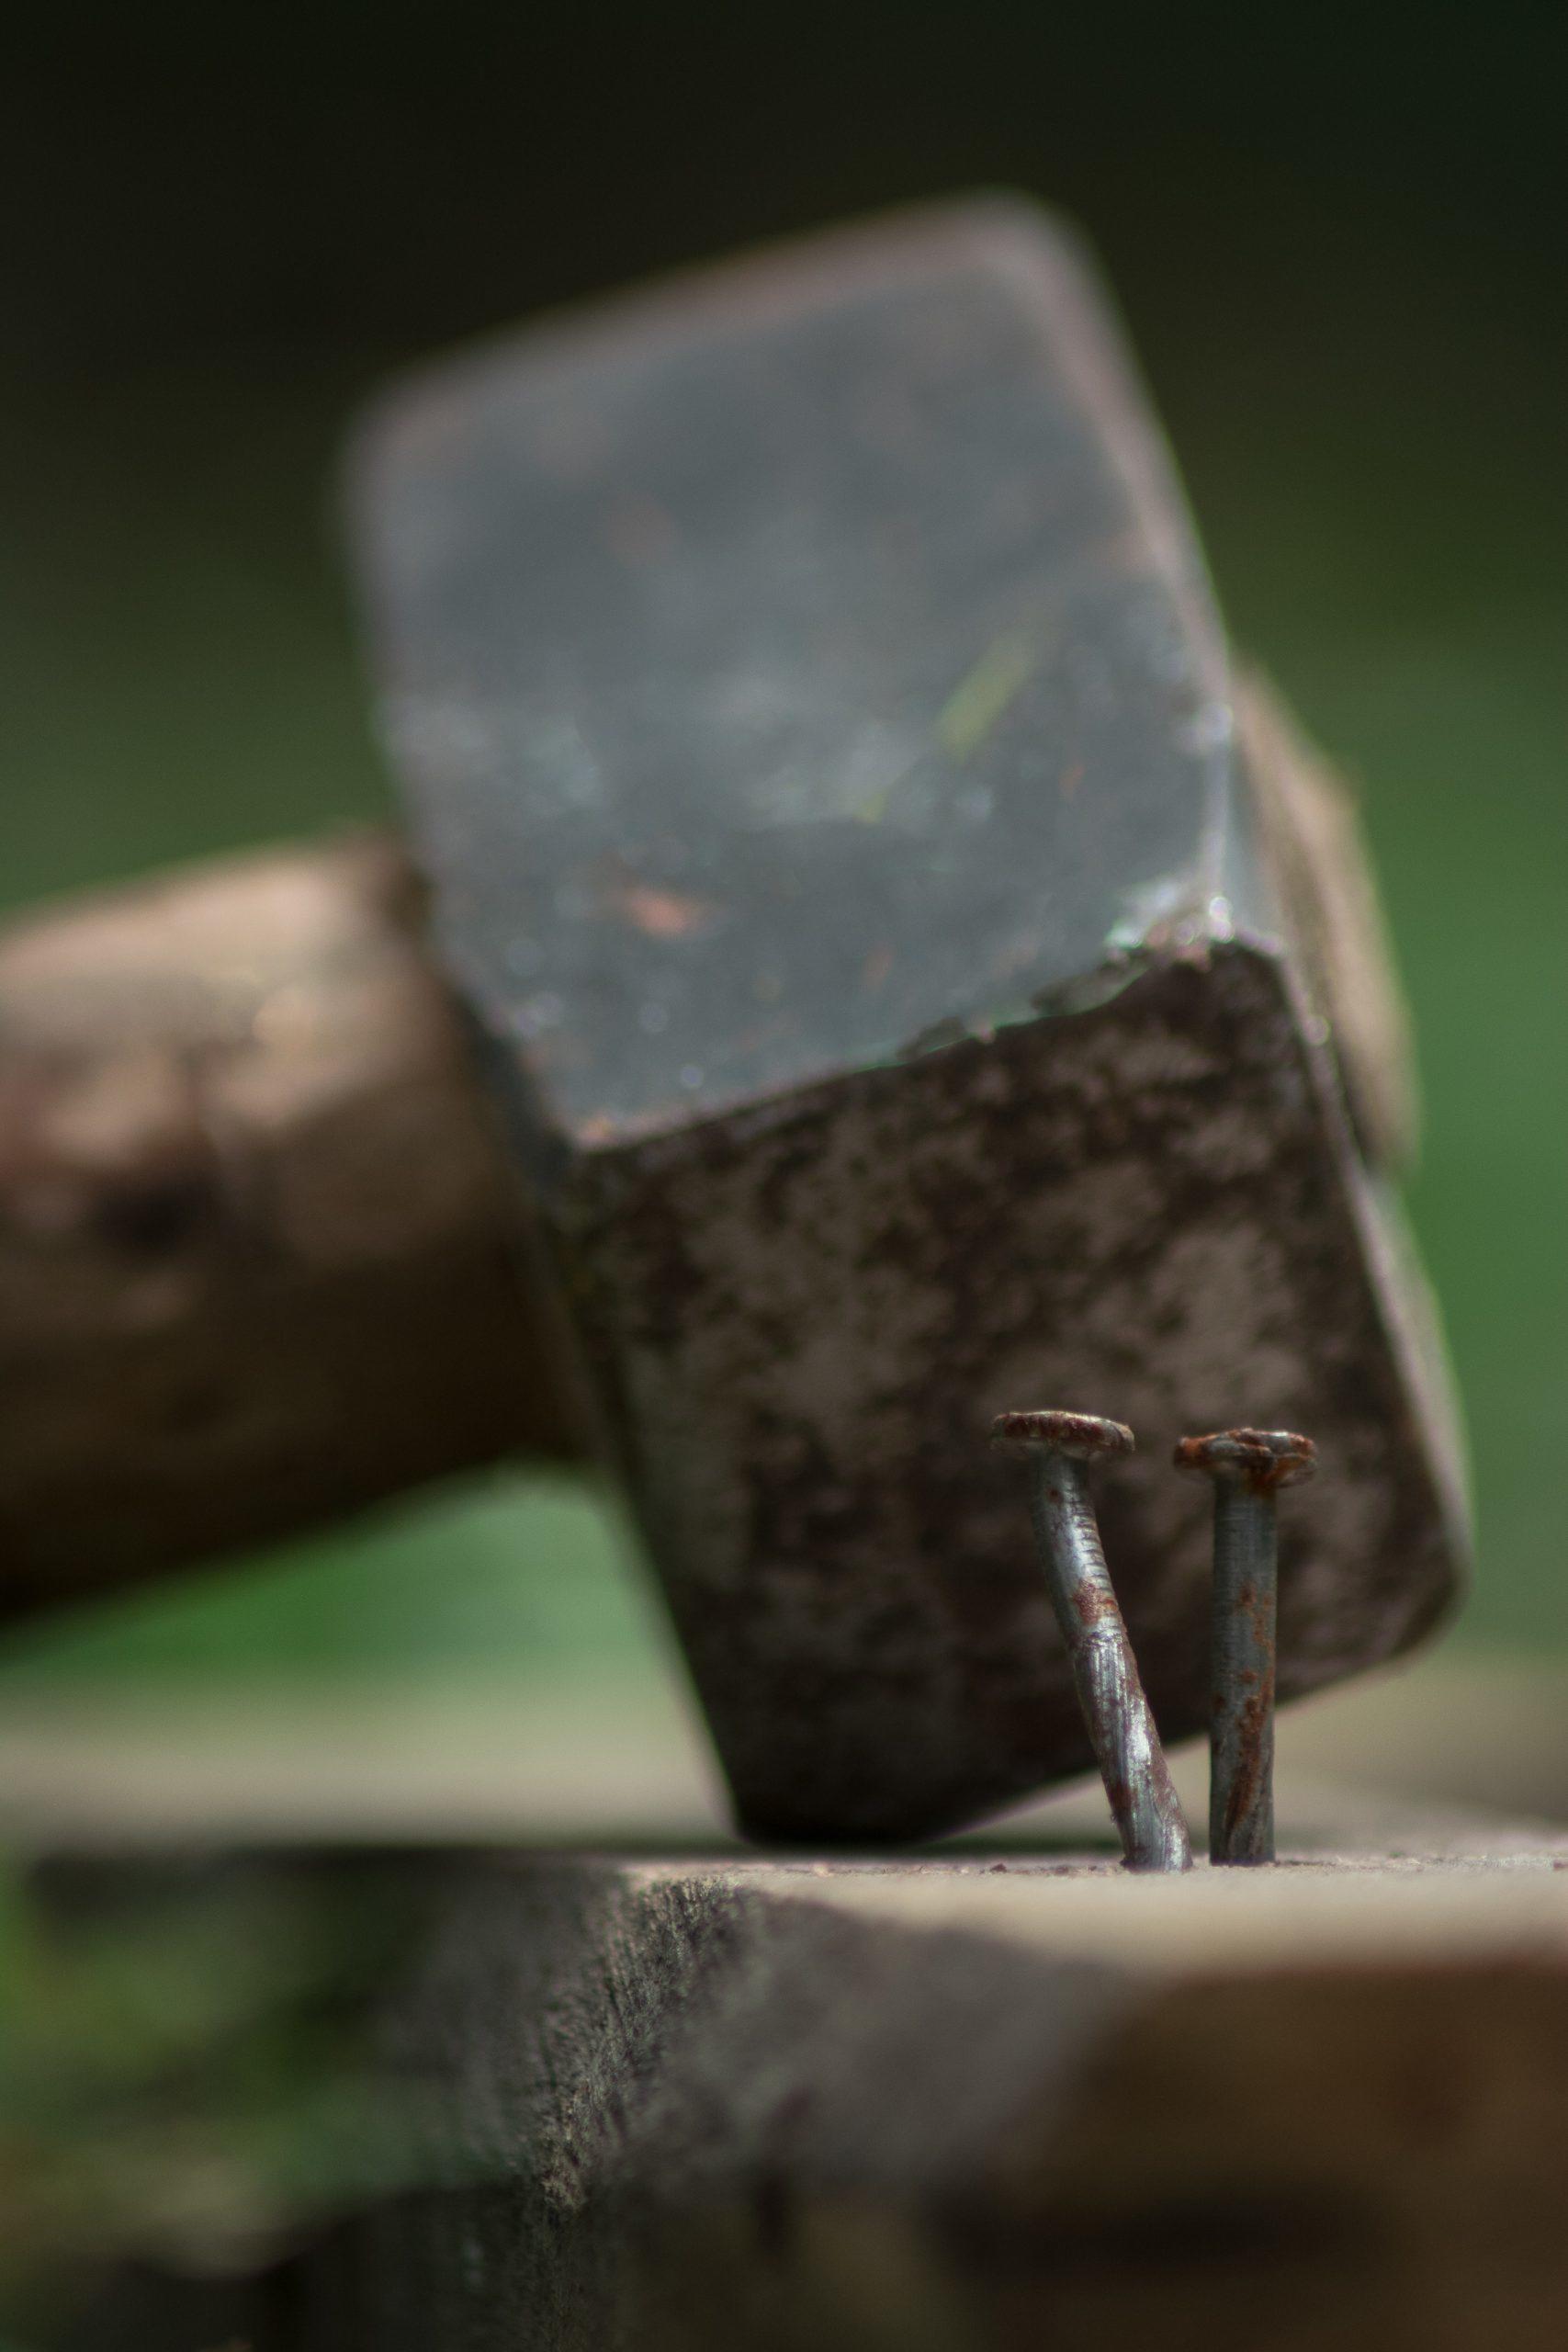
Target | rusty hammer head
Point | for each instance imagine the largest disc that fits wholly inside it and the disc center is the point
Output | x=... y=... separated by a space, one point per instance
x=909 y=986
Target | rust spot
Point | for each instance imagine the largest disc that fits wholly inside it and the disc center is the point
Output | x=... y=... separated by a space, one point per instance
x=1252 y=1720
x=660 y=914
x=1262 y=1460
x=1092 y=1607
x=1261 y=1618
x=877 y=966
x=1076 y=1435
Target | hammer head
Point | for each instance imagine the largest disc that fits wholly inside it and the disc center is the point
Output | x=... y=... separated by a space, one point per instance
x=819 y=731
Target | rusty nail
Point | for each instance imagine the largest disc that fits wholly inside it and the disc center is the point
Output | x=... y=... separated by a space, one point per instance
x=1105 y=1673
x=1247 y=1468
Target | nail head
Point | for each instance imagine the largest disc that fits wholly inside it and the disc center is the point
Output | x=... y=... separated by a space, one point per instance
x=1082 y=1436
x=1263 y=1459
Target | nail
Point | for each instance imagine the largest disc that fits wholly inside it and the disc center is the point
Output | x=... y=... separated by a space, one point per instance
x=1105 y=1674
x=1247 y=1468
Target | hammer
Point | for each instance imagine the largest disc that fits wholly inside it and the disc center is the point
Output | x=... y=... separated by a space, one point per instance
x=894 y=948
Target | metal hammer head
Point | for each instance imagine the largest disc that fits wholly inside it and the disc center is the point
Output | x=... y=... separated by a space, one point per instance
x=819 y=731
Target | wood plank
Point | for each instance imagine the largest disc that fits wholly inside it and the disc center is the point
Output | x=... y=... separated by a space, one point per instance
x=975 y=2104
x=666 y=2092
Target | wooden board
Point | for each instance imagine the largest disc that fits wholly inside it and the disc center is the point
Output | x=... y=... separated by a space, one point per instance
x=956 y=2104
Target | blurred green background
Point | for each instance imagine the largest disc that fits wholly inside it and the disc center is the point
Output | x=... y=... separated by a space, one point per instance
x=1338 y=239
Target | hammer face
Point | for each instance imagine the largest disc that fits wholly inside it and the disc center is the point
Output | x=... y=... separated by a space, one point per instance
x=791 y=669
x=819 y=731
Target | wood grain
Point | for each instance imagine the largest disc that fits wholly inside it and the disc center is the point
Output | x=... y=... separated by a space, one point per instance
x=259 y=1254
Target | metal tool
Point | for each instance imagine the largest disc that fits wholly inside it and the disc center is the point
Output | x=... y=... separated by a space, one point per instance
x=1148 y=1813
x=1247 y=1468
x=819 y=735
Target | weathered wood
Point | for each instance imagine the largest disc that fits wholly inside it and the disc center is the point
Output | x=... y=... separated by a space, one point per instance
x=258 y=1240
x=258 y=1258
x=1003 y=2097
x=965 y=2105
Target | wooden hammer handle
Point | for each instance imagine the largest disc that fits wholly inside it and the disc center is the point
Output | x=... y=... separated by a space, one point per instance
x=258 y=1240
